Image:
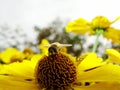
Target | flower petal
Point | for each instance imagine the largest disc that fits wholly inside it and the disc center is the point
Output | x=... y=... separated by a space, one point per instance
x=113 y=55
x=113 y=34
x=90 y=61
x=100 y=86
x=17 y=76
x=108 y=72
x=79 y=26
x=42 y=46
x=16 y=83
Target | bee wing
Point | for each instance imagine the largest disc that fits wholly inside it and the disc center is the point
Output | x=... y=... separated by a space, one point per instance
x=58 y=44
x=47 y=45
x=17 y=76
x=67 y=45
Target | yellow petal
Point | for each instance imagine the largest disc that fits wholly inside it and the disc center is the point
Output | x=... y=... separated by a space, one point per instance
x=79 y=26
x=26 y=68
x=36 y=58
x=113 y=34
x=100 y=86
x=17 y=83
x=108 y=72
x=42 y=46
x=90 y=61
x=16 y=76
x=113 y=55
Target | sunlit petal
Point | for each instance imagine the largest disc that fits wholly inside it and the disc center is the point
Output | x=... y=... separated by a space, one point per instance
x=108 y=72
x=113 y=56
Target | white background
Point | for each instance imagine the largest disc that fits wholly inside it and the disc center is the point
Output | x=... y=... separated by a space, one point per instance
x=27 y=13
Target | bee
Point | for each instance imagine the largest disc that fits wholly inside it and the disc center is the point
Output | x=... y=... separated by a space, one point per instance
x=57 y=47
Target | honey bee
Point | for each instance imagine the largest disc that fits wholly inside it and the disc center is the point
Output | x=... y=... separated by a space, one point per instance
x=57 y=47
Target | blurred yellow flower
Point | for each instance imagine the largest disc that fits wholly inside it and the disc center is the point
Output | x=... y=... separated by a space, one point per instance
x=28 y=53
x=81 y=26
x=11 y=55
x=113 y=56
x=22 y=75
x=113 y=34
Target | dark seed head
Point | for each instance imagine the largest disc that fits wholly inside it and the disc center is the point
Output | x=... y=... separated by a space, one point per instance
x=55 y=72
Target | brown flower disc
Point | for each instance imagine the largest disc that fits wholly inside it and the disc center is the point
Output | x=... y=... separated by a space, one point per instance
x=55 y=72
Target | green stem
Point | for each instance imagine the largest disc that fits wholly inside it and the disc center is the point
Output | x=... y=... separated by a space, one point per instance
x=96 y=43
x=98 y=33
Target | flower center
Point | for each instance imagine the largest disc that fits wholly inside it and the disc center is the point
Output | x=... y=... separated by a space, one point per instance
x=100 y=22
x=55 y=72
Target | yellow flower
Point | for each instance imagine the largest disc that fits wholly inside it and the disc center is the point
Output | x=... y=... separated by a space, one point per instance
x=113 y=56
x=58 y=71
x=100 y=22
x=11 y=55
x=81 y=26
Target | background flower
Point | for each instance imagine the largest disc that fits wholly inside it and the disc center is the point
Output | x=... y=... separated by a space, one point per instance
x=82 y=26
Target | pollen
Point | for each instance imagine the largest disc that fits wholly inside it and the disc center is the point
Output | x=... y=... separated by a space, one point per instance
x=55 y=72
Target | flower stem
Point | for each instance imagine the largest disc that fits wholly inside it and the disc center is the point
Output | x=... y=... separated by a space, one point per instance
x=98 y=33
